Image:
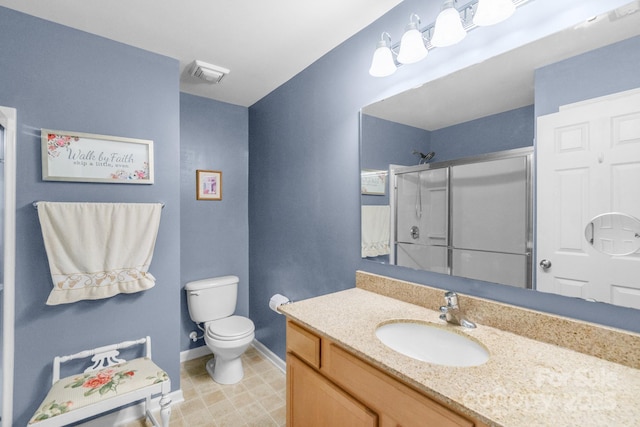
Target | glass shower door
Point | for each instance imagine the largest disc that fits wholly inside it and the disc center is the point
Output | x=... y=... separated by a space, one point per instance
x=422 y=220
x=489 y=221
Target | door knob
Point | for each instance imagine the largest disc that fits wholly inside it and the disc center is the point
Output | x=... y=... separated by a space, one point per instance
x=414 y=232
x=545 y=264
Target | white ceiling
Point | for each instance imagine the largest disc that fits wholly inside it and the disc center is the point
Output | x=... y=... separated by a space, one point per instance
x=263 y=43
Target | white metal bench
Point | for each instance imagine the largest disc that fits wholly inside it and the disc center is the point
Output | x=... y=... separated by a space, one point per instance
x=107 y=384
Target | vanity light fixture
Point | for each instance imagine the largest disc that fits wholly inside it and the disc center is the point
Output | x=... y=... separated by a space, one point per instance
x=490 y=12
x=412 y=44
x=451 y=26
x=383 y=64
x=448 y=28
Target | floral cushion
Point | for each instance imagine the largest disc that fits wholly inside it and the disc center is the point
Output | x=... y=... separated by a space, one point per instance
x=84 y=389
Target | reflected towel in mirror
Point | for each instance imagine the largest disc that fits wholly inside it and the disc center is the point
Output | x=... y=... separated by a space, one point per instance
x=375 y=231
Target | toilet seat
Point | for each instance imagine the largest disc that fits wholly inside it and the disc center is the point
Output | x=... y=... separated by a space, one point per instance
x=230 y=328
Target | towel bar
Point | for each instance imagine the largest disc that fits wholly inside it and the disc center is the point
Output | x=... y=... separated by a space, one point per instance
x=35 y=204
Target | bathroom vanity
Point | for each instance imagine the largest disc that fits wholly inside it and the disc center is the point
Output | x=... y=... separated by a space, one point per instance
x=330 y=386
x=541 y=368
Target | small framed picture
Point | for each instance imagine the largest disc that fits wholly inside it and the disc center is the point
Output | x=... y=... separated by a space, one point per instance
x=208 y=185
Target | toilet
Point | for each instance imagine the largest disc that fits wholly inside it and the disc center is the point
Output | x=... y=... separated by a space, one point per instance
x=212 y=302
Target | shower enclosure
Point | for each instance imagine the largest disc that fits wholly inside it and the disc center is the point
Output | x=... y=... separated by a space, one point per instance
x=470 y=217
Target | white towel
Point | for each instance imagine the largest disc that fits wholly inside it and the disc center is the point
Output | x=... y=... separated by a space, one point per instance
x=375 y=231
x=98 y=250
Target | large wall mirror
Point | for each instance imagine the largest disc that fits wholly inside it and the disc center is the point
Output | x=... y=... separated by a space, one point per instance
x=564 y=112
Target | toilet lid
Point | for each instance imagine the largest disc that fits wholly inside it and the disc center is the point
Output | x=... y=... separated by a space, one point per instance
x=230 y=328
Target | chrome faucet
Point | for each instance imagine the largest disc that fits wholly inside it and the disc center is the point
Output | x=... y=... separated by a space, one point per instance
x=451 y=312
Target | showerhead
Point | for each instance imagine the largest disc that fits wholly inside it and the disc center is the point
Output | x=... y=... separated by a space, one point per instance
x=424 y=158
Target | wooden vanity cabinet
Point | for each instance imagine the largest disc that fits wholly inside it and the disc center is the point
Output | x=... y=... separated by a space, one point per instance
x=329 y=386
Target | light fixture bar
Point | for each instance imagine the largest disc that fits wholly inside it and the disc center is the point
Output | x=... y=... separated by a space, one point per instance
x=466 y=17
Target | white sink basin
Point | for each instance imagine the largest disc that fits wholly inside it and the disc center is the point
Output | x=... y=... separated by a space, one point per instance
x=432 y=344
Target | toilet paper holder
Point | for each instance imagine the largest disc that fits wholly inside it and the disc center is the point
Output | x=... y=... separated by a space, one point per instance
x=277 y=300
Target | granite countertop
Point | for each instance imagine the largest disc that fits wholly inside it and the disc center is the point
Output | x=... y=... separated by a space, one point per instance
x=524 y=382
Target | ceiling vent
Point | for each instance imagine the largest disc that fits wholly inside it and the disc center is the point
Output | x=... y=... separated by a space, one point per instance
x=208 y=72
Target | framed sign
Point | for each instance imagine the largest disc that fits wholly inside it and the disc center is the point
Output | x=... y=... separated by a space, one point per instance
x=85 y=157
x=373 y=182
x=208 y=185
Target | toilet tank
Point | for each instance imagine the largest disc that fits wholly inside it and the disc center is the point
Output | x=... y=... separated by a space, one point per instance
x=212 y=299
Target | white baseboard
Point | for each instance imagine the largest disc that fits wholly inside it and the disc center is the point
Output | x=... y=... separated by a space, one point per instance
x=132 y=413
x=270 y=355
x=194 y=353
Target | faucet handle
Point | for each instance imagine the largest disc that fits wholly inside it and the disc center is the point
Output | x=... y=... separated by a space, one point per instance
x=451 y=298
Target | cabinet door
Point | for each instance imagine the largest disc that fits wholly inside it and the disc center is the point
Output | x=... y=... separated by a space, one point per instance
x=313 y=401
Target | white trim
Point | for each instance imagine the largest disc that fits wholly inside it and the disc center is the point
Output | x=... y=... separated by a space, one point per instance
x=270 y=355
x=8 y=117
x=604 y=98
x=194 y=353
x=132 y=413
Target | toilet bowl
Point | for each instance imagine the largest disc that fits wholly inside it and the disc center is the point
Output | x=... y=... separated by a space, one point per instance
x=212 y=302
x=228 y=339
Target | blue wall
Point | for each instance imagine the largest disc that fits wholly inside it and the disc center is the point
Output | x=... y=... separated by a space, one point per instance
x=60 y=78
x=304 y=206
x=498 y=132
x=588 y=76
x=384 y=143
x=214 y=235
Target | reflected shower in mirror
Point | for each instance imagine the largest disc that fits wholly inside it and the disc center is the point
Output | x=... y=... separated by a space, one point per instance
x=496 y=106
x=468 y=217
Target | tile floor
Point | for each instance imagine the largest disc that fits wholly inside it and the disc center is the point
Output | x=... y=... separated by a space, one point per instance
x=258 y=400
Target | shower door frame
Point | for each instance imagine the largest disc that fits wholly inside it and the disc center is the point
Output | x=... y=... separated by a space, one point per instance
x=8 y=120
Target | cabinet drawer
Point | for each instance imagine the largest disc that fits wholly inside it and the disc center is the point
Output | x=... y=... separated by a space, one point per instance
x=304 y=344
x=395 y=402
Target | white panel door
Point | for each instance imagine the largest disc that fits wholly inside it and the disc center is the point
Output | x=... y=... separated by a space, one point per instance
x=588 y=160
